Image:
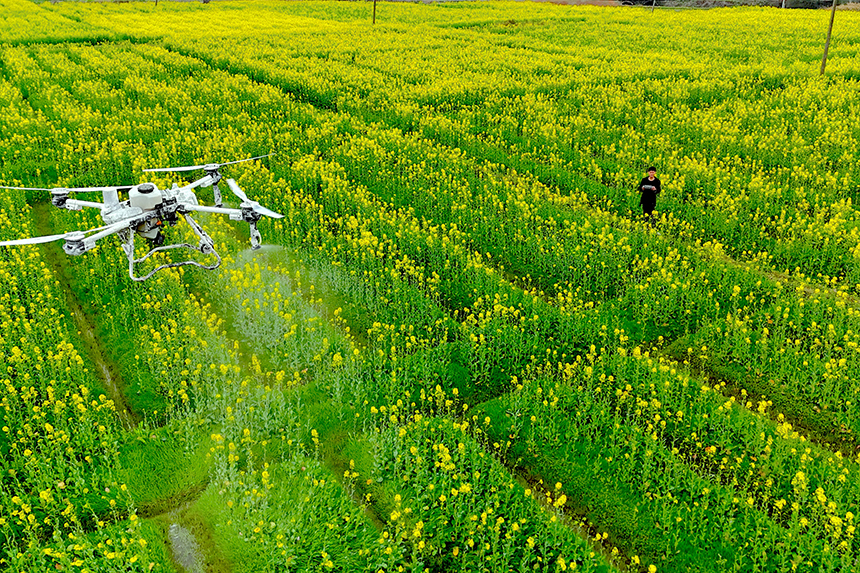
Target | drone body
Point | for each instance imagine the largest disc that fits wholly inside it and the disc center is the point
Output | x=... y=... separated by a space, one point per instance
x=145 y=213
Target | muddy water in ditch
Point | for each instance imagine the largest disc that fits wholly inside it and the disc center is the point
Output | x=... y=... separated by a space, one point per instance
x=185 y=549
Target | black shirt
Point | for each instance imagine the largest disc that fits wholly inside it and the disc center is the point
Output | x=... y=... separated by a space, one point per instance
x=649 y=190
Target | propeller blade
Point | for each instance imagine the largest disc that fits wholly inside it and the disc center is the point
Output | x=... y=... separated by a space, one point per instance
x=208 y=166
x=264 y=211
x=34 y=240
x=237 y=191
x=249 y=159
x=26 y=188
x=174 y=169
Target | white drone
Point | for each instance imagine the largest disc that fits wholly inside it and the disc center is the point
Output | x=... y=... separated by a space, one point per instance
x=146 y=211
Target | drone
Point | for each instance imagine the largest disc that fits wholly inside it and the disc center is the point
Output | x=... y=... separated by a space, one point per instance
x=147 y=210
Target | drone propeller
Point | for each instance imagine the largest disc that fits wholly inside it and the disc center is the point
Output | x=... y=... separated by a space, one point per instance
x=74 y=235
x=237 y=191
x=26 y=188
x=40 y=240
x=208 y=166
x=65 y=190
x=256 y=207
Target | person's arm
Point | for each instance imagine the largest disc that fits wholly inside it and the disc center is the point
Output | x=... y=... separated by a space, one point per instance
x=646 y=185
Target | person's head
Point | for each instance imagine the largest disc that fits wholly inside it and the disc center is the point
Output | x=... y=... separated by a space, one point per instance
x=652 y=172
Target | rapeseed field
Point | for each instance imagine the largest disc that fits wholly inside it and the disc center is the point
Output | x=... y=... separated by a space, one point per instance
x=462 y=348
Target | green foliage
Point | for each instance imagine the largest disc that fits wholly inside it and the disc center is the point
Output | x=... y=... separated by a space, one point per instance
x=461 y=293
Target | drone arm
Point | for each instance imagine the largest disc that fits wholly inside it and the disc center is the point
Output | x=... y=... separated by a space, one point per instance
x=76 y=204
x=110 y=230
x=79 y=245
x=202 y=182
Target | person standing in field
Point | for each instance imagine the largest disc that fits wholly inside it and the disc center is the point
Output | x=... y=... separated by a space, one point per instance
x=649 y=188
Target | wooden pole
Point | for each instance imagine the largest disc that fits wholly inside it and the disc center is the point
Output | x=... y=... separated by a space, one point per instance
x=827 y=43
x=653 y=3
x=374 y=11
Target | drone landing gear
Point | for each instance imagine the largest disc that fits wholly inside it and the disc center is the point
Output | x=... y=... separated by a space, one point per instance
x=216 y=195
x=215 y=174
x=256 y=238
x=206 y=246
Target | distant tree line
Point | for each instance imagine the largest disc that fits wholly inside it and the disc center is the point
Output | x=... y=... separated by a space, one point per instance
x=807 y=4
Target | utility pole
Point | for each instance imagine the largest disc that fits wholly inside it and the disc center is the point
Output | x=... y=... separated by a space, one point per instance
x=374 y=11
x=827 y=43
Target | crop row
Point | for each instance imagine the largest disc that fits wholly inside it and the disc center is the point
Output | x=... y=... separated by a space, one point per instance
x=60 y=437
x=773 y=161
x=171 y=356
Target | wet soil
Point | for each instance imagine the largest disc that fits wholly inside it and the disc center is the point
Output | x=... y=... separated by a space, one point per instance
x=184 y=548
